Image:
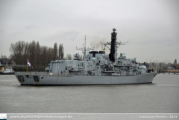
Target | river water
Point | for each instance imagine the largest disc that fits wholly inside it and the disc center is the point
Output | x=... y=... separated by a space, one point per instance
x=162 y=96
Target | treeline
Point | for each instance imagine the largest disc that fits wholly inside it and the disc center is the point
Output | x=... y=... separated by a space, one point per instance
x=39 y=56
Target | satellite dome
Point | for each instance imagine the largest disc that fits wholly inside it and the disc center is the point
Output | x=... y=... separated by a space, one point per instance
x=114 y=29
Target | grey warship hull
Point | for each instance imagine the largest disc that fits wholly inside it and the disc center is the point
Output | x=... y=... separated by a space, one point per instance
x=31 y=78
x=96 y=68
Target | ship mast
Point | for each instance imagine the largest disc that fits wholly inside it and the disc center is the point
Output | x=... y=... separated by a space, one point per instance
x=114 y=45
x=84 y=50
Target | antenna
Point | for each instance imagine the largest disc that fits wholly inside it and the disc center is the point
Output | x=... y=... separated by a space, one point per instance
x=84 y=50
x=85 y=40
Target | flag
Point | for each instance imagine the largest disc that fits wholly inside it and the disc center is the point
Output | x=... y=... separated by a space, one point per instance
x=28 y=62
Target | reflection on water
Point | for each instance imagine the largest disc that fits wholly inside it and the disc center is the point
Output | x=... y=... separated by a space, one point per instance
x=161 y=96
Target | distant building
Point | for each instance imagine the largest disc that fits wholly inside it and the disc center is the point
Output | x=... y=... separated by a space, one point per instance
x=5 y=62
x=175 y=61
x=170 y=68
x=175 y=65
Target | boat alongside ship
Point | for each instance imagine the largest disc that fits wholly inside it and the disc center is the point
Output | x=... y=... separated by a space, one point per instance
x=95 y=68
x=7 y=71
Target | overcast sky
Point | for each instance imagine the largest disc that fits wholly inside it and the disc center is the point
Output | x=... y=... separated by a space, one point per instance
x=151 y=27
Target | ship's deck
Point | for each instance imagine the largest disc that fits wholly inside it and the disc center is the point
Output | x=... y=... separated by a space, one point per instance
x=64 y=75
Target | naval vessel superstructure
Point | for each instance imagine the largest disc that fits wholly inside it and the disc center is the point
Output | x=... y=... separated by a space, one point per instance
x=95 y=68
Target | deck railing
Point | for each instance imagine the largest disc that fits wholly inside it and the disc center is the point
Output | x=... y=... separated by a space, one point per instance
x=43 y=74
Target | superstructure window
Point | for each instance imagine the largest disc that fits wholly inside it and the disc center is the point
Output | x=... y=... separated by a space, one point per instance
x=36 y=78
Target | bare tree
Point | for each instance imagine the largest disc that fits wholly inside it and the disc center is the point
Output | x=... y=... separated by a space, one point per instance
x=50 y=55
x=61 y=51
x=55 y=51
x=3 y=57
x=39 y=56
x=32 y=52
x=26 y=53
x=68 y=57
x=17 y=51
x=43 y=57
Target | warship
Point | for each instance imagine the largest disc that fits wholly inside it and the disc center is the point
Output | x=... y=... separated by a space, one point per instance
x=96 y=68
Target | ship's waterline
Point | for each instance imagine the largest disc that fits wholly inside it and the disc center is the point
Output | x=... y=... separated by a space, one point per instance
x=30 y=78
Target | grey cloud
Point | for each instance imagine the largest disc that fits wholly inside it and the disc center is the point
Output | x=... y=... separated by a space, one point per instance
x=148 y=23
x=64 y=36
x=30 y=26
